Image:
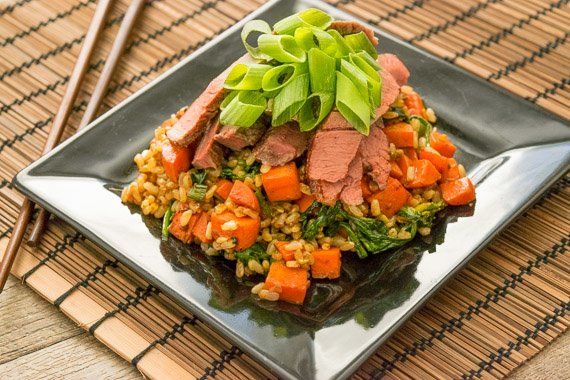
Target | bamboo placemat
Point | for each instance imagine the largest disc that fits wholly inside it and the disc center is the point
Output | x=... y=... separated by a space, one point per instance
x=503 y=308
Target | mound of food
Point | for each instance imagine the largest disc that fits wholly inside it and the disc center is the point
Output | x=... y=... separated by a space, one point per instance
x=308 y=147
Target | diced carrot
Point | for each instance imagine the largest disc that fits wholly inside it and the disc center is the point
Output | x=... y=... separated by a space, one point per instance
x=458 y=192
x=281 y=183
x=243 y=195
x=176 y=159
x=245 y=233
x=392 y=198
x=200 y=228
x=305 y=201
x=326 y=263
x=425 y=174
x=285 y=253
x=404 y=162
x=365 y=187
x=182 y=233
x=400 y=134
x=411 y=153
x=442 y=144
x=223 y=188
x=415 y=104
x=169 y=122
x=451 y=171
x=395 y=171
x=433 y=156
x=290 y=283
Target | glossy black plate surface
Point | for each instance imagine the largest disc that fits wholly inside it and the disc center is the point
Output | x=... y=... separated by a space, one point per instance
x=512 y=150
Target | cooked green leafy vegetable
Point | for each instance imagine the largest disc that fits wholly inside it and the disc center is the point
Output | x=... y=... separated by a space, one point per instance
x=255 y=252
x=198 y=190
x=425 y=127
x=263 y=203
x=166 y=220
x=250 y=171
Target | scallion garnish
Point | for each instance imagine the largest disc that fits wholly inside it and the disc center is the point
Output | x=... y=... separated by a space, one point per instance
x=244 y=109
x=198 y=192
x=246 y=77
x=290 y=100
x=166 y=220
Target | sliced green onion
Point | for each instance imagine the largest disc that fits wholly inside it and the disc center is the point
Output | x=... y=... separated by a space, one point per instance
x=351 y=104
x=368 y=58
x=360 y=42
x=197 y=192
x=356 y=76
x=255 y=26
x=309 y=38
x=281 y=48
x=309 y=17
x=322 y=68
x=229 y=97
x=342 y=47
x=246 y=77
x=244 y=109
x=291 y=98
x=166 y=220
x=279 y=76
x=317 y=106
x=373 y=78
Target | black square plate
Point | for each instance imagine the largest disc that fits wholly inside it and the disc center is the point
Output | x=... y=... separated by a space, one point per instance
x=512 y=150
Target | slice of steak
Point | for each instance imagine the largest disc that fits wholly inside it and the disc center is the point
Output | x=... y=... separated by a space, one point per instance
x=281 y=144
x=395 y=67
x=353 y=27
x=195 y=120
x=335 y=121
x=390 y=91
x=326 y=192
x=209 y=153
x=352 y=191
x=375 y=152
x=331 y=153
x=237 y=138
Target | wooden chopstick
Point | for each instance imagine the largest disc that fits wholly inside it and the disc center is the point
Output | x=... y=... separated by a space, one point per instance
x=99 y=93
x=56 y=131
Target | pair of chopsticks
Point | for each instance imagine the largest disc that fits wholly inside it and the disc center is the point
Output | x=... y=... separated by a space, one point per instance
x=64 y=111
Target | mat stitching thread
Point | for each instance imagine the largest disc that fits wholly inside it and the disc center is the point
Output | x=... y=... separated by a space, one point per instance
x=91 y=277
x=141 y=295
x=503 y=352
x=12 y=7
x=456 y=323
x=457 y=19
x=218 y=365
x=546 y=49
x=37 y=126
x=170 y=334
x=96 y=65
x=550 y=91
x=68 y=241
x=55 y=51
x=495 y=38
x=6 y=233
x=5 y=183
x=44 y=23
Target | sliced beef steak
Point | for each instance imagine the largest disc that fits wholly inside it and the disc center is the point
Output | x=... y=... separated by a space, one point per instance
x=281 y=144
x=195 y=120
x=335 y=121
x=331 y=153
x=352 y=190
x=353 y=27
x=390 y=91
x=395 y=67
x=375 y=152
x=209 y=153
x=237 y=138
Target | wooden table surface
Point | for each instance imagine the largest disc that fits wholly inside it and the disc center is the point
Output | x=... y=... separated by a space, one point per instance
x=39 y=342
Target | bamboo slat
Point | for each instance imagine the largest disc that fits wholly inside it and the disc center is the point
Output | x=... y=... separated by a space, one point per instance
x=503 y=308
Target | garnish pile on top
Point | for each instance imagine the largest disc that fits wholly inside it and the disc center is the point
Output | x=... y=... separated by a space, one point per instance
x=303 y=70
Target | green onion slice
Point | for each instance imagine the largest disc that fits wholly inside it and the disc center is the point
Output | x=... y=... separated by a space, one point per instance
x=281 y=48
x=229 y=97
x=357 y=77
x=246 y=77
x=322 y=68
x=166 y=220
x=198 y=192
x=309 y=38
x=373 y=78
x=309 y=17
x=360 y=42
x=368 y=59
x=244 y=109
x=279 y=76
x=351 y=104
x=342 y=47
x=255 y=26
x=291 y=98
x=317 y=106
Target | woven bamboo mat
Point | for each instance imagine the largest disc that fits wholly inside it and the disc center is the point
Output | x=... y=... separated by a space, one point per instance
x=510 y=301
